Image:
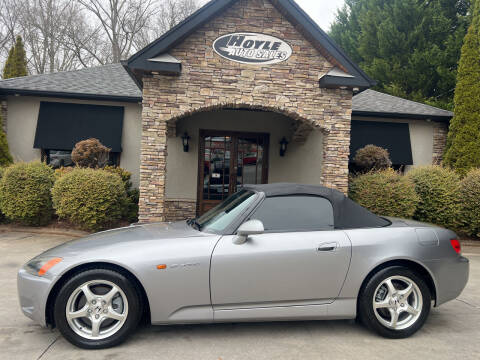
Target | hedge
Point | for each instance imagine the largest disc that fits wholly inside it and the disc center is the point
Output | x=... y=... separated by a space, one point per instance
x=92 y=199
x=470 y=203
x=385 y=193
x=25 y=193
x=438 y=189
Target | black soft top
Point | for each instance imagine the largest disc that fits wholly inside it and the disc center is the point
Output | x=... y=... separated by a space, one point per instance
x=347 y=213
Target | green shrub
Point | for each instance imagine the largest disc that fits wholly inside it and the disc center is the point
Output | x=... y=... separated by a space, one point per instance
x=130 y=209
x=5 y=157
x=372 y=157
x=25 y=193
x=62 y=171
x=470 y=203
x=385 y=193
x=438 y=189
x=92 y=199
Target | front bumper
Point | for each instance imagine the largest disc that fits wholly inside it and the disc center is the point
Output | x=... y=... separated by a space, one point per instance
x=451 y=277
x=33 y=294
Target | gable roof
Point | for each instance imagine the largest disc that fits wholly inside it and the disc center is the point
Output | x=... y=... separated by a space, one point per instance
x=108 y=82
x=111 y=82
x=374 y=103
x=140 y=61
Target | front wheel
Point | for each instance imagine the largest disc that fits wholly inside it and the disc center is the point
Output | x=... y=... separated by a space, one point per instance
x=97 y=309
x=395 y=302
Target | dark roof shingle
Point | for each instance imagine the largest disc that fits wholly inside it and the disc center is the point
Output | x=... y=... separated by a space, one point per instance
x=104 y=82
x=371 y=101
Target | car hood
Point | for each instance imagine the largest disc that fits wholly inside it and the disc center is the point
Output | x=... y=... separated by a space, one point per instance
x=125 y=237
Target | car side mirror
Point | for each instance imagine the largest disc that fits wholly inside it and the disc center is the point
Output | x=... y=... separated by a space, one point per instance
x=251 y=227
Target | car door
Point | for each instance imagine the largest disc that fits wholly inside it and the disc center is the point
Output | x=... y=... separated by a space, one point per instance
x=300 y=260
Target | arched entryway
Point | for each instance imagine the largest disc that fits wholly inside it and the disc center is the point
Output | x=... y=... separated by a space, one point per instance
x=233 y=146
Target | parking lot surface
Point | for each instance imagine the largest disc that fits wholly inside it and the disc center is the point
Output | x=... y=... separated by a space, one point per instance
x=452 y=330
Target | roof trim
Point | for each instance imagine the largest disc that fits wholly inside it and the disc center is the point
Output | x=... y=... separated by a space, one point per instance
x=204 y=14
x=391 y=115
x=70 y=95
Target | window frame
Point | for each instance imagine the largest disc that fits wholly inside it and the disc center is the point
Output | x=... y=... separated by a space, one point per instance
x=251 y=213
x=113 y=157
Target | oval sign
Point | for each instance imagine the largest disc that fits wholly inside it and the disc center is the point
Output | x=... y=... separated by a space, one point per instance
x=252 y=48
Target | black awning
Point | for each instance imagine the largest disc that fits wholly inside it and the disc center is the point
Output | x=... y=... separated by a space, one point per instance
x=61 y=125
x=395 y=137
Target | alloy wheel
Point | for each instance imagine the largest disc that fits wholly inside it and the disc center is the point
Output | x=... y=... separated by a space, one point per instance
x=96 y=309
x=397 y=302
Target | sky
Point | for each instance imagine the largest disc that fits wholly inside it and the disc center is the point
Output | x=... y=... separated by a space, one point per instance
x=322 y=11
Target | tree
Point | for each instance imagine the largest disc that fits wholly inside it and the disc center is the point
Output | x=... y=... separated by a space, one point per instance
x=411 y=47
x=5 y=157
x=463 y=143
x=16 y=64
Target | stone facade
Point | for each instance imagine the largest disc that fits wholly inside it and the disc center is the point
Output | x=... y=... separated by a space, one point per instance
x=440 y=132
x=4 y=112
x=208 y=82
x=179 y=209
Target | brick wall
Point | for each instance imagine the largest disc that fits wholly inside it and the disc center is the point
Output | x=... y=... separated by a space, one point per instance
x=180 y=209
x=208 y=82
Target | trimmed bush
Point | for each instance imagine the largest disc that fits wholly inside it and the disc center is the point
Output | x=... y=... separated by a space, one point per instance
x=470 y=203
x=385 y=193
x=25 y=193
x=90 y=153
x=372 y=157
x=438 y=189
x=62 y=171
x=130 y=210
x=91 y=199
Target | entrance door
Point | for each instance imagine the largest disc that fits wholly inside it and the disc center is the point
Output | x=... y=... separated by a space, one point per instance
x=227 y=161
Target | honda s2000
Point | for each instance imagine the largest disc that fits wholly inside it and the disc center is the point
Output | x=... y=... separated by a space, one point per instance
x=268 y=252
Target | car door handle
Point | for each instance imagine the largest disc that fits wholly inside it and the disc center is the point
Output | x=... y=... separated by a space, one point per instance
x=327 y=247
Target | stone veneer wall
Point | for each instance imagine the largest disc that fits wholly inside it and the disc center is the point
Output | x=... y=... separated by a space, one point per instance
x=4 y=112
x=180 y=209
x=440 y=132
x=209 y=82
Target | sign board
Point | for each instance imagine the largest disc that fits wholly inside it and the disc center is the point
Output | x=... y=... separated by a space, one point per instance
x=252 y=48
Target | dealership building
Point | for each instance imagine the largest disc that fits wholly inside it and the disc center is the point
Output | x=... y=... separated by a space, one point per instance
x=241 y=92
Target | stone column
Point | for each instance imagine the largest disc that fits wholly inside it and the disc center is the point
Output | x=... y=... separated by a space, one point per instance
x=153 y=157
x=440 y=132
x=336 y=144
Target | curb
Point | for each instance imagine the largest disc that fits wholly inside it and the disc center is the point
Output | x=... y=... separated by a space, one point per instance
x=43 y=231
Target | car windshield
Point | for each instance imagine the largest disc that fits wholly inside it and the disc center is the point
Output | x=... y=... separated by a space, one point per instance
x=222 y=215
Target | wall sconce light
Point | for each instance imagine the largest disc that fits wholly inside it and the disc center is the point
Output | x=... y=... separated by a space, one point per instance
x=283 y=146
x=185 y=139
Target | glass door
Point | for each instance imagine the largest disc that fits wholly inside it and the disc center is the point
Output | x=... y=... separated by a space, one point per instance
x=227 y=161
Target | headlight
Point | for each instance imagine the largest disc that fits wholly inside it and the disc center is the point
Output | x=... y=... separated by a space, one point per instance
x=40 y=265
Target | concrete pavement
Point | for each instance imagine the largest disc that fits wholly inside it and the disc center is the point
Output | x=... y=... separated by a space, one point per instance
x=452 y=331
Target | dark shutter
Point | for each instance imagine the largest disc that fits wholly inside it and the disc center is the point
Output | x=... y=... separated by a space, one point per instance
x=395 y=137
x=61 y=125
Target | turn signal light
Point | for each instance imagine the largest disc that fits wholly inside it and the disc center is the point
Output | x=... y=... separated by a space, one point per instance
x=456 y=245
x=161 y=266
x=48 y=265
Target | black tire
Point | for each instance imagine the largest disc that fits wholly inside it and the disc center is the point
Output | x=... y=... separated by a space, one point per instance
x=367 y=312
x=132 y=319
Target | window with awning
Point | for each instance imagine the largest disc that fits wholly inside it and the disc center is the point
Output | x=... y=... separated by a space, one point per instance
x=395 y=137
x=61 y=125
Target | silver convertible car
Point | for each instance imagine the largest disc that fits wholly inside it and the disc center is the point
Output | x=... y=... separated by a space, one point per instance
x=268 y=252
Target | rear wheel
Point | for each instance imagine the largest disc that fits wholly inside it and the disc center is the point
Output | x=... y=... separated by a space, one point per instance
x=395 y=302
x=97 y=309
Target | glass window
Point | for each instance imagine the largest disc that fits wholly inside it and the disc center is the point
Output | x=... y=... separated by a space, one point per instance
x=295 y=213
x=222 y=215
x=63 y=158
